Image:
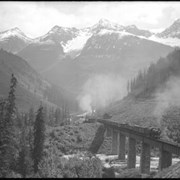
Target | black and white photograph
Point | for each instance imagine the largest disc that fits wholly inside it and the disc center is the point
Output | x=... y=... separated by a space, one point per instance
x=89 y=89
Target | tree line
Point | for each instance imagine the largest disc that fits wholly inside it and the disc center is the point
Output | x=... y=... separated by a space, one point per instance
x=148 y=80
x=22 y=135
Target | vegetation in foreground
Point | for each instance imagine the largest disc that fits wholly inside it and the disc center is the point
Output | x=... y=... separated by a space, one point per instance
x=34 y=144
x=31 y=146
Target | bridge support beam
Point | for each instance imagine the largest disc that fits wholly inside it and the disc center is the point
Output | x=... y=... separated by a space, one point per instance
x=114 y=142
x=145 y=158
x=165 y=159
x=131 y=161
x=122 y=143
x=108 y=132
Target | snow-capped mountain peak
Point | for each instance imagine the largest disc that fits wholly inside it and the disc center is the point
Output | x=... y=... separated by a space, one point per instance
x=55 y=28
x=12 y=32
x=176 y=25
x=58 y=35
x=16 y=30
x=106 y=24
x=14 y=40
x=59 y=29
x=172 y=31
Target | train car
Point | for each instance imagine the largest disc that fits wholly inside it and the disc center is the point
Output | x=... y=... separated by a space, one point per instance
x=124 y=125
x=152 y=132
x=139 y=129
x=146 y=131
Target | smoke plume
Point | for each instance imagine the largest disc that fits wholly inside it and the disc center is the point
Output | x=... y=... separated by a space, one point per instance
x=170 y=96
x=101 y=90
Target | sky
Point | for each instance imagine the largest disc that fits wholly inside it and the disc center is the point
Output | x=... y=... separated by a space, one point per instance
x=37 y=18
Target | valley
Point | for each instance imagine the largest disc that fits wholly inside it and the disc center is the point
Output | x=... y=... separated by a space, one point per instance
x=55 y=86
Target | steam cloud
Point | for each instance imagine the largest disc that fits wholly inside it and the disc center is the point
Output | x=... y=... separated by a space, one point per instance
x=101 y=90
x=170 y=96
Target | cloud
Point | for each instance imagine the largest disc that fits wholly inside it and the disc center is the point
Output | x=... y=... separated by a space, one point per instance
x=37 y=18
x=32 y=19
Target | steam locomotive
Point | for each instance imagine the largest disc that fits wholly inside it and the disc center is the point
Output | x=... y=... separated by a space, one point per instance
x=152 y=132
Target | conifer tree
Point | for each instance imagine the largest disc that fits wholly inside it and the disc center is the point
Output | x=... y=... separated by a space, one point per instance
x=8 y=144
x=39 y=137
x=31 y=116
x=128 y=87
x=22 y=153
x=57 y=116
x=30 y=136
x=24 y=160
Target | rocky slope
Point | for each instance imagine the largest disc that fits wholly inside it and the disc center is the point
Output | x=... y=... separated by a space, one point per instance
x=172 y=31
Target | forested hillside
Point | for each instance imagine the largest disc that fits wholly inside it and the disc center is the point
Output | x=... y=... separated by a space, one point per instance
x=32 y=88
x=32 y=143
x=153 y=98
x=155 y=77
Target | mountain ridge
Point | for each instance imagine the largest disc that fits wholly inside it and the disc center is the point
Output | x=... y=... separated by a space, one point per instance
x=62 y=35
x=68 y=57
x=172 y=31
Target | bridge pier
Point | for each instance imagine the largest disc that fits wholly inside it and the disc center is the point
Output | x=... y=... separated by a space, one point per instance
x=122 y=144
x=114 y=142
x=108 y=132
x=145 y=158
x=165 y=159
x=131 y=161
x=166 y=148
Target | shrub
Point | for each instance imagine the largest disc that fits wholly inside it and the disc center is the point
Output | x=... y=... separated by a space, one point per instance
x=71 y=133
x=48 y=167
x=13 y=174
x=108 y=172
x=130 y=173
x=79 y=138
x=61 y=133
x=62 y=148
x=170 y=124
x=80 y=166
x=75 y=131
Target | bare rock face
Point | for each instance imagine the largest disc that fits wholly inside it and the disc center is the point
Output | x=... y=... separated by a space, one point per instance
x=172 y=31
